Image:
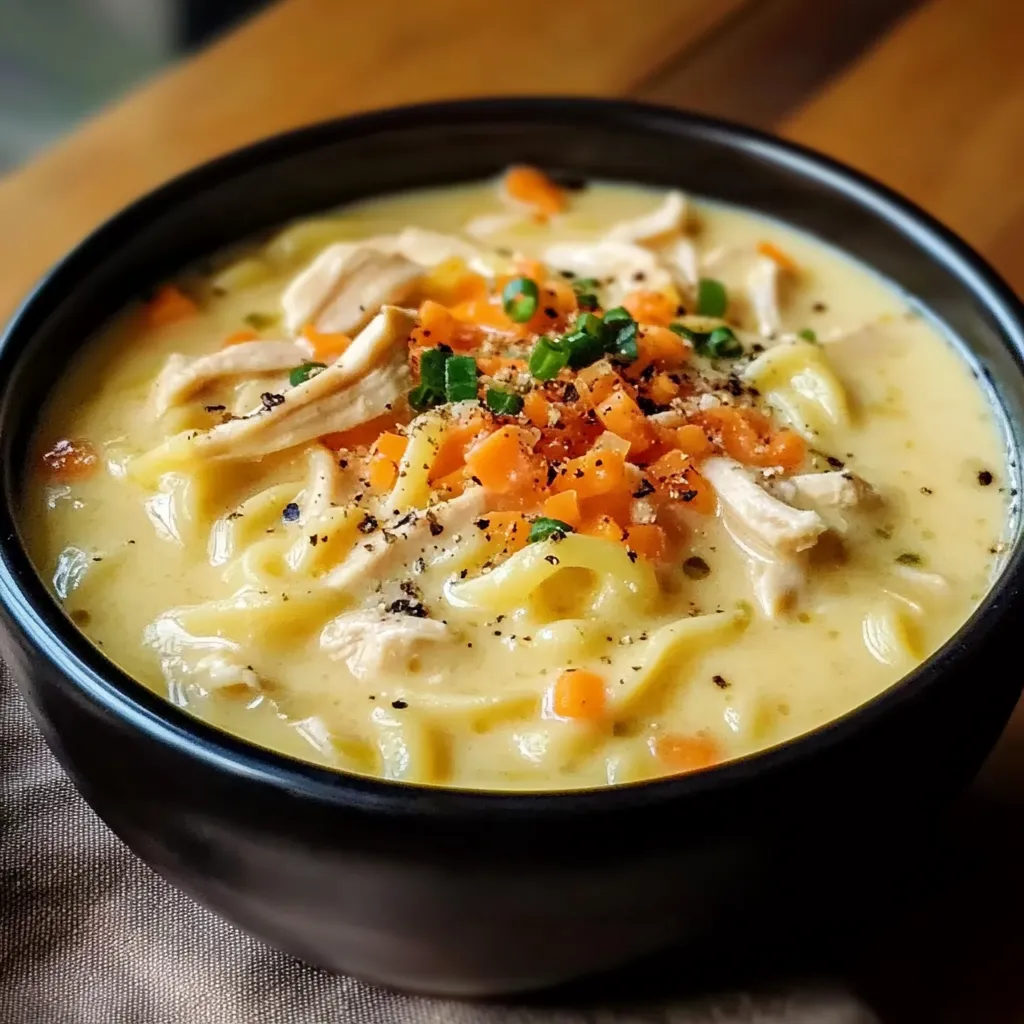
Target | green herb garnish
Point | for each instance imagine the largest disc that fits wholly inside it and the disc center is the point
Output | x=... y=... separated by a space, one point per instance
x=807 y=334
x=908 y=558
x=722 y=344
x=712 y=298
x=520 y=299
x=547 y=358
x=544 y=528
x=431 y=389
x=586 y=293
x=620 y=332
x=302 y=373
x=503 y=403
x=460 y=378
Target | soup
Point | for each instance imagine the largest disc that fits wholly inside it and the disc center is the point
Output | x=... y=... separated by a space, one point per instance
x=506 y=486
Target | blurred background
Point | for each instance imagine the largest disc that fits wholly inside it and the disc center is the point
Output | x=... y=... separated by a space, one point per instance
x=61 y=60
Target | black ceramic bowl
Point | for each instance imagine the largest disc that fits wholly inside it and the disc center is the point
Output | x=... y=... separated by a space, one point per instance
x=479 y=893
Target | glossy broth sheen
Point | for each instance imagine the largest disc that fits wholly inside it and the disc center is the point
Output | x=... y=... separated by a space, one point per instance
x=881 y=589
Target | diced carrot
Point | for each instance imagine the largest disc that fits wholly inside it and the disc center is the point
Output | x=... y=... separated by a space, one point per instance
x=391 y=446
x=686 y=753
x=622 y=416
x=510 y=531
x=364 y=434
x=168 y=306
x=663 y=389
x=439 y=326
x=536 y=407
x=647 y=307
x=600 y=380
x=604 y=527
x=660 y=347
x=564 y=506
x=595 y=472
x=382 y=473
x=451 y=281
x=533 y=188
x=453 y=484
x=747 y=436
x=646 y=539
x=557 y=303
x=579 y=695
x=533 y=269
x=493 y=364
x=486 y=311
x=71 y=459
x=677 y=479
x=326 y=346
x=782 y=258
x=240 y=338
x=690 y=439
x=505 y=463
x=451 y=455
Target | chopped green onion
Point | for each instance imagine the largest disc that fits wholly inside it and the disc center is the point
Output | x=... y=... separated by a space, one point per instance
x=547 y=358
x=503 y=403
x=685 y=332
x=590 y=324
x=807 y=334
x=712 y=299
x=543 y=528
x=431 y=389
x=520 y=299
x=302 y=373
x=723 y=344
x=618 y=315
x=620 y=335
x=584 y=348
x=460 y=378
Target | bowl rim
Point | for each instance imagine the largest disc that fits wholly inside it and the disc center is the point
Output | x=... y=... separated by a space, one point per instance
x=41 y=620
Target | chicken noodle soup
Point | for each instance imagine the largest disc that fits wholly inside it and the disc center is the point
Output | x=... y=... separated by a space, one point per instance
x=507 y=487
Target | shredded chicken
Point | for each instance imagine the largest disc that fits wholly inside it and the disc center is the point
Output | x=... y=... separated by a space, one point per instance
x=777 y=583
x=373 y=641
x=426 y=533
x=681 y=258
x=669 y=218
x=345 y=286
x=181 y=377
x=763 y=290
x=783 y=530
x=620 y=266
x=221 y=671
x=834 y=489
x=365 y=382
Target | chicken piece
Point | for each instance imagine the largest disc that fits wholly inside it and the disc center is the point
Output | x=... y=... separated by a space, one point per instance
x=681 y=258
x=426 y=533
x=345 y=286
x=754 y=515
x=777 y=583
x=668 y=219
x=835 y=489
x=222 y=671
x=619 y=266
x=374 y=641
x=181 y=377
x=763 y=291
x=365 y=382
x=431 y=248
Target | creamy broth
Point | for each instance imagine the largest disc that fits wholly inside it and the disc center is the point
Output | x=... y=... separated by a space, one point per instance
x=291 y=598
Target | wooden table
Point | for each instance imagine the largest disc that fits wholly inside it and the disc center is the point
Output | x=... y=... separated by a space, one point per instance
x=928 y=96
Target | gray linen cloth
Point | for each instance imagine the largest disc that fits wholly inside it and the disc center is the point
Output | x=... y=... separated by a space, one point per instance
x=89 y=935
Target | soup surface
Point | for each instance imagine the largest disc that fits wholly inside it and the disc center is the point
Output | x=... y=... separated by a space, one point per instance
x=508 y=487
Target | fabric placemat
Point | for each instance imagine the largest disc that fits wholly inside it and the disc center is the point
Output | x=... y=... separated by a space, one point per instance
x=89 y=935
